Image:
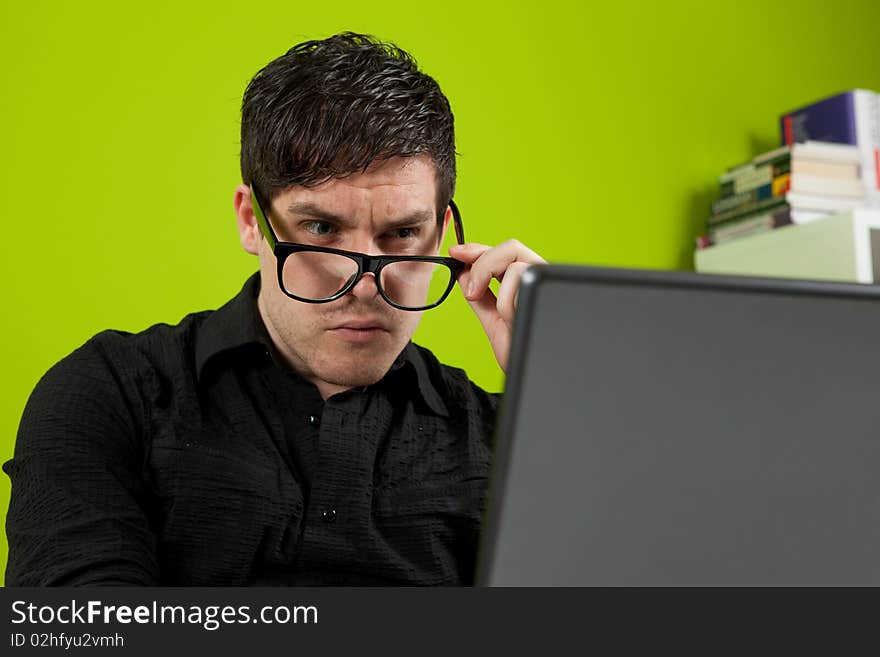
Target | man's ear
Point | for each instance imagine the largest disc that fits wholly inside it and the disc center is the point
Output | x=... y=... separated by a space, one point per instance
x=446 y=217
x=248 y=231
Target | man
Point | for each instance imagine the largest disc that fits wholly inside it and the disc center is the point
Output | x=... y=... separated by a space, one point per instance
x=296 y=435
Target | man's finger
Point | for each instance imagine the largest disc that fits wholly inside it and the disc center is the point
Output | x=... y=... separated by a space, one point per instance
x=494 y=263
x=468 y=252
x=509 y=289
x=494 y=325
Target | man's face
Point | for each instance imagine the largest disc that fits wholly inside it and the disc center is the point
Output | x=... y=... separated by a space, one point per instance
x=352 y=341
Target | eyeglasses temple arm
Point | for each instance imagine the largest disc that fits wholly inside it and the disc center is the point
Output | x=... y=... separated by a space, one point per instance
x=262 y=222
x=456 y=221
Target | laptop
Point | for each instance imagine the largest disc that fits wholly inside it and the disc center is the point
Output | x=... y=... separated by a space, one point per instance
x=677 y=429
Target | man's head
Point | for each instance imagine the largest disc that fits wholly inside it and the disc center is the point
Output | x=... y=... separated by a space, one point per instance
x=352 y=148
x=330 y=108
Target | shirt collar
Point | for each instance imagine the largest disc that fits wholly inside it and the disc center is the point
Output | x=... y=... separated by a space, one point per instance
x=238 y=324
x=412 y=358
x=234 y=325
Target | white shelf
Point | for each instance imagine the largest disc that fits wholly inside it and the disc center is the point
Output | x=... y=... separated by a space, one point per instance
x=841 y=247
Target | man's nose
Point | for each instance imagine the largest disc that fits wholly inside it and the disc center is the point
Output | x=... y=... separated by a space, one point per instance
x=366 y=289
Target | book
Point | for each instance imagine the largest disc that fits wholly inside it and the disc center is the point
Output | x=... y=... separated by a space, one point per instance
x=755 y=179
x=750 y=225
x=744 y=187
x=781 y=184
x=742 y=198
x=826 y=151
x=849 y=188
x=758 y=171
x=745 y=181
x=803 y=201
x=703 y=242
x=825 y=169
x=770 y=167
x=851 y=117
x=797 y=201
x=745 y=210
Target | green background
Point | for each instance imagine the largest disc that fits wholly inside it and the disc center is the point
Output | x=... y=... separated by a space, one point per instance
x=592 y=132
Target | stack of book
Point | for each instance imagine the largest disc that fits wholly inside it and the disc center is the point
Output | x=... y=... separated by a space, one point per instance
x=792 y=184
x=829 y=163
x=853 y=118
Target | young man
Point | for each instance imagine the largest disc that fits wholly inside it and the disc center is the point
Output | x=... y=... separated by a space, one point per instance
x=296 y=435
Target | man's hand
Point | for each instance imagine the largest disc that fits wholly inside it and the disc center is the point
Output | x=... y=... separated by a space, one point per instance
x=506 y=263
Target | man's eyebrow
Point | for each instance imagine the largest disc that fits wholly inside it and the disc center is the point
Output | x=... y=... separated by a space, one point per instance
x=414 y=219
x=304 y=208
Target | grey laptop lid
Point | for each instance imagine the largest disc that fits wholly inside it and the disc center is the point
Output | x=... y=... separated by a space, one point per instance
x=677 y=429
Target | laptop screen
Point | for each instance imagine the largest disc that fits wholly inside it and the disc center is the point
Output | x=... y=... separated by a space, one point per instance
x=677 y=429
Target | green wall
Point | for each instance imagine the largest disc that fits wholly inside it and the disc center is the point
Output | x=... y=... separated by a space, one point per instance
x=593 y=132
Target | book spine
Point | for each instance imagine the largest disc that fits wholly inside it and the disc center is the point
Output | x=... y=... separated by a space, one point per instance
x=822 y=186
x=781 y=184
x=743 y=198
x=787 y=124
x=750 y=208
x=826 y=151
x=841 y=170
x=749 y=198
x=742 y=172
x=754 y=179
x=803 y=201
x=751 y=225
x=877 y=165
x=703 y=242
x=866 y=118
x=774 y=158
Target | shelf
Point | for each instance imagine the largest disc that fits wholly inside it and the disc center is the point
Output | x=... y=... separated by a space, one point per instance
x=841 y=247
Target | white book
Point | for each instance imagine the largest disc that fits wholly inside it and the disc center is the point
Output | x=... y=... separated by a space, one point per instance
x=824 y=150
x=802 y=201
x=825 y=169
x=850 y=188
x=867 y=119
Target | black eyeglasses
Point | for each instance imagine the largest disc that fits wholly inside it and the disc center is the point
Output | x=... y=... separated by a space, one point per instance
x=318 y=274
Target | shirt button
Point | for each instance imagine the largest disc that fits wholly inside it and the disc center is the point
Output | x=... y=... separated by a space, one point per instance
x=329 y=515
x=314 y=420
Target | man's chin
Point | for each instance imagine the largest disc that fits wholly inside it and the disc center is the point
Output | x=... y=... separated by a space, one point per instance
x=350 y=378
x=353 y=370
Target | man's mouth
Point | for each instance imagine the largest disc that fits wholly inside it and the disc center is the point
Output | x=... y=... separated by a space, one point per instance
x=358 y=331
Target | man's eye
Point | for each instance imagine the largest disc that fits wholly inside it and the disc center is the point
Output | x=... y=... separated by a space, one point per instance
x=320 y=228
x=406 y=233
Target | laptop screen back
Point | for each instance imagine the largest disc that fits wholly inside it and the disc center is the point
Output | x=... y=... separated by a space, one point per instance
x=675 y=429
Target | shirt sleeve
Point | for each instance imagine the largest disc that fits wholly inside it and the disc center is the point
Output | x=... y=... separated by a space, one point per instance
x=78 y=511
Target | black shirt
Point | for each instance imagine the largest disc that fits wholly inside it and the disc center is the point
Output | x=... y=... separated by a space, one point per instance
x=186 y=455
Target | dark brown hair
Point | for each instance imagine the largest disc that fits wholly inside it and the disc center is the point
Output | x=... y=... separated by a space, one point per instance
x=329 y=108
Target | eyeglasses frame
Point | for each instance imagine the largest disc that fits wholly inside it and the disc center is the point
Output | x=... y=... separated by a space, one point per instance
x=365 y=263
